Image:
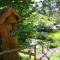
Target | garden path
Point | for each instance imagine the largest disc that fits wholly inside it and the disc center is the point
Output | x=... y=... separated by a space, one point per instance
x=47 y=55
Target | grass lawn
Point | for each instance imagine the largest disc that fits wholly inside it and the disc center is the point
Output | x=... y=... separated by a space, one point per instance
x=26 y=57
x=55 y=56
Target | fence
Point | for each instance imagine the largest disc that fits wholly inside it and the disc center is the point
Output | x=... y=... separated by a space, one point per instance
x=29 y=52
x=18 y=49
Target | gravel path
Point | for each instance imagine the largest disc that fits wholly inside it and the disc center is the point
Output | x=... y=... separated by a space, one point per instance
x=48 y=54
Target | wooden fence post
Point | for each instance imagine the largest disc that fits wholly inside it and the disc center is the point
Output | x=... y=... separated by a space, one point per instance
x=34 y=52
x=29 y=53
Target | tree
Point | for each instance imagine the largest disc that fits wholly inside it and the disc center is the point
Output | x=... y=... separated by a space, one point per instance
x=47 y=7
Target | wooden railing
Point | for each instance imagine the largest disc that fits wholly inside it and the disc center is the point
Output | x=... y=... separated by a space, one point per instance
x=9 y=51
x=20 y=50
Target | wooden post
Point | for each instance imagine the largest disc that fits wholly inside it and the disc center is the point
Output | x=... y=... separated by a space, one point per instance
x=43 y=48
x=29 y=54
x=34 y=52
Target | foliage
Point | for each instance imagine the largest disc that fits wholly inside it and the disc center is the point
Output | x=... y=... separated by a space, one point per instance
x=25 y=57
x=35 y=19
x=55 y=56
x=22 y=6
x=47 y=7
x=25 y=29
x=53 y=45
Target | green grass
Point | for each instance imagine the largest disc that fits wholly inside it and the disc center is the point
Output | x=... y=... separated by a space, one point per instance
x=55 y=56
x=26 y=57
x=39 y=50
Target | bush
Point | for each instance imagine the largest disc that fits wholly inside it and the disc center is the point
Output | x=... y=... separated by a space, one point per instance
x=55 y=56
x=53 y=45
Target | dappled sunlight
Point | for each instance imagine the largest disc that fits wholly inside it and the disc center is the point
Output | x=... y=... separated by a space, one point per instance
x=29 y=29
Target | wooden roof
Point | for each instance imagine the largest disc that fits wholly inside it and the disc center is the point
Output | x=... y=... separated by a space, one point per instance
x=6 y=12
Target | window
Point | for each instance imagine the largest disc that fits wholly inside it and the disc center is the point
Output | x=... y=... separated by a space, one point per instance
x=11 y=30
